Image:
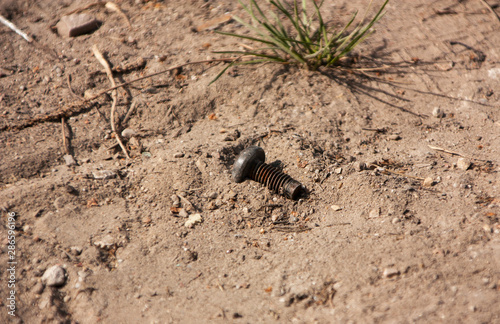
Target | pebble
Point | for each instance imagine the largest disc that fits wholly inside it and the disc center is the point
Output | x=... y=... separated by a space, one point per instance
x=178 y=155
x=394 y=137
x=438 y=112
x=75 y=250
x=106 y=242
x=76 y=24
x=104 y=174
x=175 y=201
x=59 y=203
x=68 y=158
x=54 y=276
x=193 y=220
x=338 y=170
x=428 y=182
x=336 y=207
x=128 y=133
x=463 y=164
x=146 y=220
x=390 y=272
x=359 y=166
x=374 y=213
x=183 y=213
x=38 y=288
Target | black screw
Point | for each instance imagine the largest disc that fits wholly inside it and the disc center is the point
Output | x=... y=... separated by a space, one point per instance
x=250 y=164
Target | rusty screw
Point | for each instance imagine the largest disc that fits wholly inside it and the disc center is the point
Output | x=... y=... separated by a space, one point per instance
x=250 y=164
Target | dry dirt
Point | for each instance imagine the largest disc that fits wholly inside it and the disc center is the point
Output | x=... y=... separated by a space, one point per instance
x=364 y=245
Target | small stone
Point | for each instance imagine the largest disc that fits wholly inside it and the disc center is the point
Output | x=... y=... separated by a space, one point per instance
x=54 y=276
x=193 y=220
x=335 y=207
x=438 y=112
x=463 y=164
x=428 y=182
x=146 y=220
x=487 y=228
x=128 y=133
x=396 y=220
x=59 y=203
x=178 y=155
x=175 y=201
x=374 y=213
x=390 y=272
x=69 y=160
x=38 y=288
x=394 y=137
x=76 y=24
x=104 y=174
x=359 y=166
x=338 y=170
x=75 y=250
x=106 y=242
x=183 y=213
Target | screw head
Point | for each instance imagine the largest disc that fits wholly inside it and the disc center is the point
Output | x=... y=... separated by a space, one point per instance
x=245 y=161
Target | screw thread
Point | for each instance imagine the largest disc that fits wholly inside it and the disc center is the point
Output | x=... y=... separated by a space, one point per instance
x=275 y=180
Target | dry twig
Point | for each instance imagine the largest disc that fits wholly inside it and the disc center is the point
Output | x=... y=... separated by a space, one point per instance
x=440 y=149
x=7 y=23
x=490 y=8
x=113 y=6
x=114 y=95
x=76 y=108
x=66 y=136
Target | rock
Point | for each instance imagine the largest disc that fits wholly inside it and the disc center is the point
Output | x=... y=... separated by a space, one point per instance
x=193 y=220
x=146 y=220
x=38 y=288
x=438 y=112
x=428 y=182
x=374 y=213
x=76 y=24
x=104 y=174
x=54 y=276
x=338 y=170
x=175 y=201
x=107 y=242
x=59 y=203
x=183 y=213
x=75 y=250
x=463 y=164
x=336 y=207
x=178 y=155
x=128 y=133
x=394 y=137
x=390 y=272
x=359 y=166
x=69 y=160
x=396 y=220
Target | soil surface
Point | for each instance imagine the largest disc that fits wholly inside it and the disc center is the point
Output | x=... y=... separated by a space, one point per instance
x=398 y=150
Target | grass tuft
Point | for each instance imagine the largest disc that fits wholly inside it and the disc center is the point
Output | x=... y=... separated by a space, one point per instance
x=297 y=34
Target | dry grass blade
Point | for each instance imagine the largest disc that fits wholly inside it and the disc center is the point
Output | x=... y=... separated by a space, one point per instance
x=114 y=95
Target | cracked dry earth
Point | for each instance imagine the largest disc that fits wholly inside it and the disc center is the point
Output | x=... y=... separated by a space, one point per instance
x=400 y=222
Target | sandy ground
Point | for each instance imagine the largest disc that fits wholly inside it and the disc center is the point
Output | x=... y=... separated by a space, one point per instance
x=371 y=241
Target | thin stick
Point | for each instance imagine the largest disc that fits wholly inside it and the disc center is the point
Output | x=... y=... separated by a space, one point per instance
x=114 y=95
x=440 y=149
x=397 y=173
x=130 y=111
x=76 y=108
x=65 y=137
x=490 y=8
x=68 y=79
x=7 y=23
x=113 y=6
x=155 y=74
